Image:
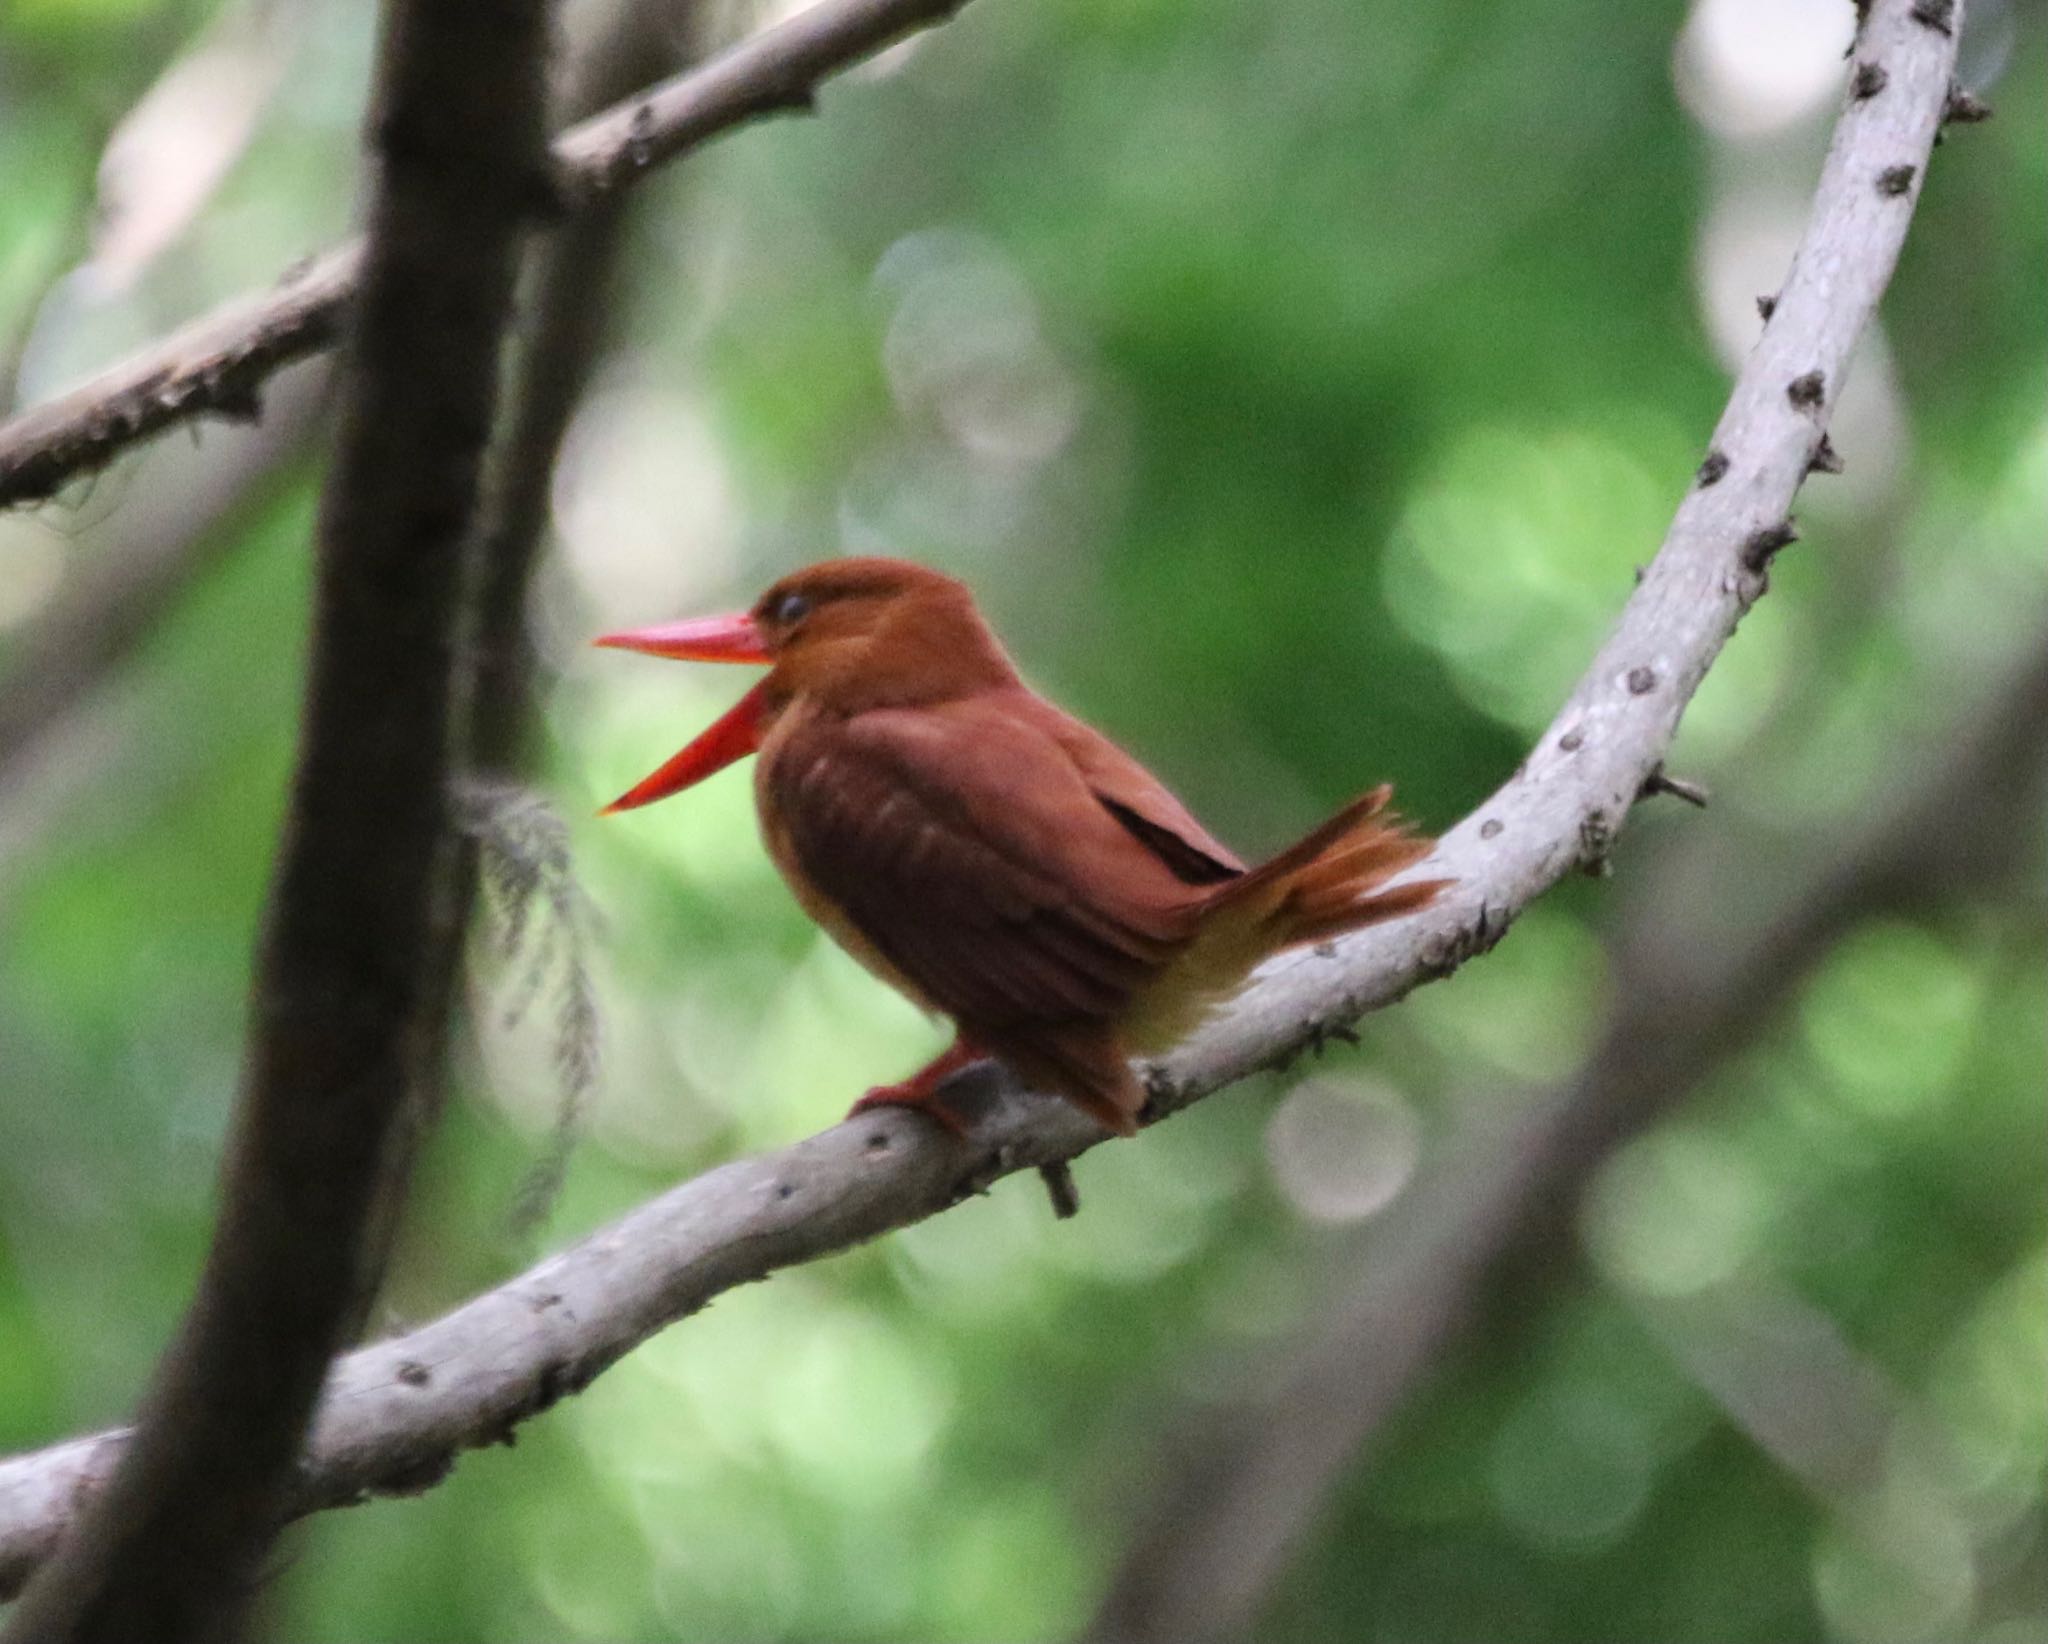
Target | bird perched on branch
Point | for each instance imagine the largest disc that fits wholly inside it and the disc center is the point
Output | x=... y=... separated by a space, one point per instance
x=992 y=858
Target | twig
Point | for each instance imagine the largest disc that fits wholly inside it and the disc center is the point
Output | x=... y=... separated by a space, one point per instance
x=397 y=1413
x=1060 y=1189
x=219 y=363
x=1662 y=781
x=170 y=1549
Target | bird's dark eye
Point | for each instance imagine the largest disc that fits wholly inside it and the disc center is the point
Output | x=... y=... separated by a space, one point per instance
x=790 y=609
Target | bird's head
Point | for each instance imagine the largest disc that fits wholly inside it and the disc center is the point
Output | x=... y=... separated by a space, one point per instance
x=845 y=635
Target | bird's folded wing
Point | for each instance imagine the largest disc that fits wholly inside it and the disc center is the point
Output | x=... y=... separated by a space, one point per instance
x=1138 y=800
x=965 y=845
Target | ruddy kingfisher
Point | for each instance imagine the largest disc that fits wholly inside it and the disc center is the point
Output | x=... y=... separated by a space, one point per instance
x=993 y=858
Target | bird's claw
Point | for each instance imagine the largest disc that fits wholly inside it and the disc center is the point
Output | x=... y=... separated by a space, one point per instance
x=919 y=1099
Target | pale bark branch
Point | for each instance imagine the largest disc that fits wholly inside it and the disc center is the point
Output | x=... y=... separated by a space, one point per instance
x=170 y=1549
x=1235 y=1497
x=397 y=1413
x=218 y=364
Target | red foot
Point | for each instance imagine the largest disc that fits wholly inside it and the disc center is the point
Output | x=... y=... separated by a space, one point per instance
x=920 y=1090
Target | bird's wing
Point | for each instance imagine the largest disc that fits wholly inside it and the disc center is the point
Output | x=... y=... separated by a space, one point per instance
x=1138 y=800
x=963 y=842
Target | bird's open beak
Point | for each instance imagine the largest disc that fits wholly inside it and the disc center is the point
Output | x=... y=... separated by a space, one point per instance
x=734 y=735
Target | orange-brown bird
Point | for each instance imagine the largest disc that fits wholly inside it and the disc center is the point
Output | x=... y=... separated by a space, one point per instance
x=992 y=858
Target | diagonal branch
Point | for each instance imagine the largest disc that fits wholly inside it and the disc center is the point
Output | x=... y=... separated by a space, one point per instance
x=397 y=1413
x=1236 y=1500
x=219 y=364
x=363 y=884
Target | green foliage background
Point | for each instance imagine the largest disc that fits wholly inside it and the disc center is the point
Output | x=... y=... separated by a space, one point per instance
x=1298 y=382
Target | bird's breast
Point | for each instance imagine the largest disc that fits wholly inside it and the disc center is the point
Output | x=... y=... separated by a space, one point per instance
x=770 y=799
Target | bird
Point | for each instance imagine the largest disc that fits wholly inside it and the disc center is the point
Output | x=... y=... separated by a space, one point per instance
x=991 y=857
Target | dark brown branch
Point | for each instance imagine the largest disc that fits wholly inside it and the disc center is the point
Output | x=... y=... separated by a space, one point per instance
x=397 y=1413
x=1236 y=1495
x=218 y=364
x=170 y=1550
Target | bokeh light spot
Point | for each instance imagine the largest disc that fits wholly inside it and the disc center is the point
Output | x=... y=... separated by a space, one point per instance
x=1529 y=1011
x=1895 y=1567
x=1677 y=1212
x=1512 y=554
x=1749 y=68
x=1889 y=1019
x=1565 y=1475
x=1342 y=1150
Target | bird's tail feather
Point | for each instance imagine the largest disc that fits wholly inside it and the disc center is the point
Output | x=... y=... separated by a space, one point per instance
x=1328 y=883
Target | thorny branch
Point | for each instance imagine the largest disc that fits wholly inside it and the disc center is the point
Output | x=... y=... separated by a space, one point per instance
x=398 y=1413
x=218 y=364
x=1233 y=1503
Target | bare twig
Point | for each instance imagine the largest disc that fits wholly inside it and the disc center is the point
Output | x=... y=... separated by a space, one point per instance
x=1235 y=1500
x=218 y=364
x=363 y=883
x=1662 y=781
x=397 y=1413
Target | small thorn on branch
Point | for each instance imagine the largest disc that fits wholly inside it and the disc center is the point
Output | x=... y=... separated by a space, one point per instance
x=1323 y=1033
x=1807 y=391
x=237 y=402
x=1596 y=840
x=639 y=149
x=797 y=97
x=983 y=1174
x=1868 y=80
x=1712 y=470
x=1662 y=781
x=1763 y=545
x=1938 y=15
x=1825 y=459
x=1315 y=1039
x=1962 y=109
x=1162 y=1094
x=1895 y=180
x=1767 y=305
x=1059 y=1187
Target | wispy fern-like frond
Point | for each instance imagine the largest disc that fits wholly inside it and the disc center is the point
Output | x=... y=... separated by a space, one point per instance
x=524 y=869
